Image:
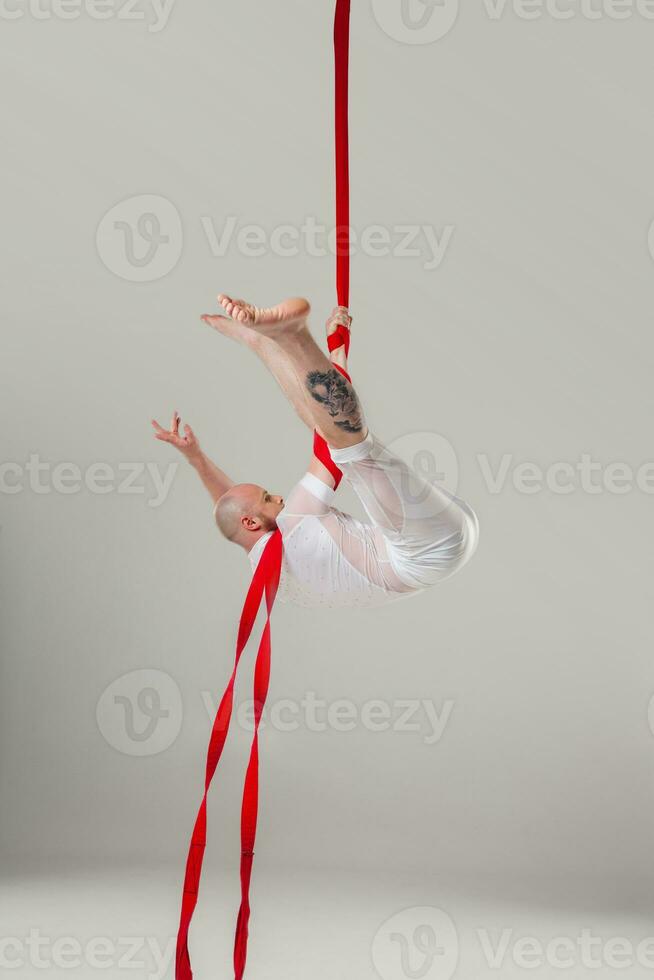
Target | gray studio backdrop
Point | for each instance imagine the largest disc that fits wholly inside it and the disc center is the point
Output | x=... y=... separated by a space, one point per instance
x=502 y=167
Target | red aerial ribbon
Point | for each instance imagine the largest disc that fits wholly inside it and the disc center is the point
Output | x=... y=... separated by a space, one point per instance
x=342 y=69
x=265 y=580
x=321 y=452
x=339 y=338
x=341 y=335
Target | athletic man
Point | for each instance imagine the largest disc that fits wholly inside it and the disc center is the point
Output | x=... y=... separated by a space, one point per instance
x=417 y=535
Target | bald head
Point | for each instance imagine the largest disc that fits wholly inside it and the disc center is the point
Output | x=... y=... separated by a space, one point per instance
x=228 y=512
x=246 y=512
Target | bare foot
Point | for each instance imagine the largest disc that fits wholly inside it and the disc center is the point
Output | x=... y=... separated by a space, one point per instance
x=237 y=330
x=291 y=314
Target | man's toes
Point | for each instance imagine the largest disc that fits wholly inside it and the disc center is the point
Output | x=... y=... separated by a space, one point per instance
x=241 y=312
x=228 y=304
x=237 y=309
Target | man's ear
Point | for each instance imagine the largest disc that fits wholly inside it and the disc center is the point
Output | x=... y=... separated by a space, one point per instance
x=250 y=524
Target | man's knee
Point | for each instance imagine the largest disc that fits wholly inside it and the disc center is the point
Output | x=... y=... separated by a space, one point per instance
x=469 y=538
x=449 y=556
x=423 y=565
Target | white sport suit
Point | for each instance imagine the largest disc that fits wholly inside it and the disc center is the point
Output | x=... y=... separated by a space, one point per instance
x=418 y=534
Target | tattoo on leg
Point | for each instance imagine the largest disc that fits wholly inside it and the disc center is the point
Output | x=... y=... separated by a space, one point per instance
x=332 y=390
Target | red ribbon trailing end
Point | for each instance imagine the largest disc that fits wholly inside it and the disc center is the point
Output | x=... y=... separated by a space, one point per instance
x=265 y=581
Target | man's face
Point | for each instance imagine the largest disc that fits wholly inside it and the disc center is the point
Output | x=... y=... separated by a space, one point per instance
x=263 y=507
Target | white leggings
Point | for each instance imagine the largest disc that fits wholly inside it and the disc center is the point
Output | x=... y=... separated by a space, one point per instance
x=429 y=533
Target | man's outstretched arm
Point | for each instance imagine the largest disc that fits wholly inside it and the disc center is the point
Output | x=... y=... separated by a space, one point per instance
x=213 y=478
